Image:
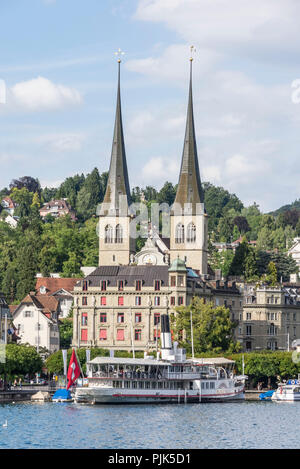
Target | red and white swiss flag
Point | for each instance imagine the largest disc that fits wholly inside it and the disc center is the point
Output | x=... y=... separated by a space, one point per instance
x=74 y=370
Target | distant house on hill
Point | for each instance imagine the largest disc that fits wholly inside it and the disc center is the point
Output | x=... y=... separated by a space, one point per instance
x=36 y=320
x=294 y=251
x=59 y=288
x=9 y=205
x=232 y=246
x=57 y=208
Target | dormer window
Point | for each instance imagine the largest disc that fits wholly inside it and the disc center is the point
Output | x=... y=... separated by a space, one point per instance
x=85 y=285
x=138 y=285
x=43 y=290
x=121 y=285
x=157 y=285
x=103 y=285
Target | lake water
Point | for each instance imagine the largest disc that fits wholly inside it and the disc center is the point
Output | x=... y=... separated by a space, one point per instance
x=226 y=425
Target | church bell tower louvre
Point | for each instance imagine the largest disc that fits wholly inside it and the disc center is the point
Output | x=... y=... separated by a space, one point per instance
x=116 y=246
x=189 y=221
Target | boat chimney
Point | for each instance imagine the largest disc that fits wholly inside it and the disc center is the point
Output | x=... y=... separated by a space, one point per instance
x=165 y=337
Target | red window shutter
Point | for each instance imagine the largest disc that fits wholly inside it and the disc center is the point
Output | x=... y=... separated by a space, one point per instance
x=84 y=335
x=120 y=334
x=120 y=301
x=103 y=334
x=103 y=300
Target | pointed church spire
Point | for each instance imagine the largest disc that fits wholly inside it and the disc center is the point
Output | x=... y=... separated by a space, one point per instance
x=118 y=189
x=189 y=188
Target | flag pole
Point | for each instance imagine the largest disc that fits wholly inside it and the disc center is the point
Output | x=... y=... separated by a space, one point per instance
x=78 y=362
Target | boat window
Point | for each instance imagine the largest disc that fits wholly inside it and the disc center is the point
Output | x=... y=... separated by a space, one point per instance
x=134 y=384
x=141 y=385
x=159 y=385
x=212 y=385
x=202 y=385
x=147 y=385
x=191 y=385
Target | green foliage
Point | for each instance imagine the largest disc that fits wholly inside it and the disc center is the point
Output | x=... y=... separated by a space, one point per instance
x=65 y=333
x=213 y=329
x=20 y=360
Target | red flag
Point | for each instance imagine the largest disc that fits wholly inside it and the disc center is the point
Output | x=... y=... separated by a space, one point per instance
x=74 y=370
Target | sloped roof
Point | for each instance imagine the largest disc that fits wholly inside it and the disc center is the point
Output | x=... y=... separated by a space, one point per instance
x=55 y=284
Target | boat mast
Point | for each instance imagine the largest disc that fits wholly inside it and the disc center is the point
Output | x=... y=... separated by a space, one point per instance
x=192 y=335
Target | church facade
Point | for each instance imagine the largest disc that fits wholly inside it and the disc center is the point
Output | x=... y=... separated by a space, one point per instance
x=118 y=306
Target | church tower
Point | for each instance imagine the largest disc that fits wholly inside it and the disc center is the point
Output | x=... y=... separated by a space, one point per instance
x=189 y=222
x=115 y=243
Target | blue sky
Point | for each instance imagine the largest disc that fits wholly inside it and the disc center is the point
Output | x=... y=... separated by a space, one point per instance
x=58 y=63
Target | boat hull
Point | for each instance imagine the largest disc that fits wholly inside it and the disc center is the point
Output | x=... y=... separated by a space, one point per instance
x=95 y=396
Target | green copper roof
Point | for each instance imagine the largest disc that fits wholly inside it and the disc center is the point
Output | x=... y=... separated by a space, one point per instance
x=178 y=266
x=189 y=188
x=118 y=181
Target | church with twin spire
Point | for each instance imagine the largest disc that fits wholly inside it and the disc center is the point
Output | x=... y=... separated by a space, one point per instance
x=118 y=306
x=188 y=220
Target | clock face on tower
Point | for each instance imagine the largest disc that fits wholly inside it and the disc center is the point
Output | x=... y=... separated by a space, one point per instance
x=149 y=259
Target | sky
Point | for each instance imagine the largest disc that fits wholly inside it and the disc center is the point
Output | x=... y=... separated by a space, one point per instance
x=58 y=77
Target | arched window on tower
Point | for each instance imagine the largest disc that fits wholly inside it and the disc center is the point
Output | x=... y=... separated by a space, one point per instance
x=109 y=234
x=179 y=234
x=191 y=233
x=119 y=234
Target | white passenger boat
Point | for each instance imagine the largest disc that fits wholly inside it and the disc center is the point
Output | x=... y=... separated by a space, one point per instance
x=288 y=391
x=171 y=379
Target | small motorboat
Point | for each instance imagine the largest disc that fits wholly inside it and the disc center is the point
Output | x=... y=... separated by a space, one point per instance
x=62 y=395
x=287 y=391
x=266 y=396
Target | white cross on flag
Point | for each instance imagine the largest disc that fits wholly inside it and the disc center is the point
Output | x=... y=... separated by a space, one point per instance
x=74 y=370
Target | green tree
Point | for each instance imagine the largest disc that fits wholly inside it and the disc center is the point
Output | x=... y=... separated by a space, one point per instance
x=213 y=330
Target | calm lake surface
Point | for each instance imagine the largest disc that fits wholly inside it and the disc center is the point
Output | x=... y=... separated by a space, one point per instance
x=228 y=425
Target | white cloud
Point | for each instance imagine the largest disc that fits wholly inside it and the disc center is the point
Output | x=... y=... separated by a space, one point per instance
x=158 y=170
x=238 y=25
x=62 y=142
x=40 y=94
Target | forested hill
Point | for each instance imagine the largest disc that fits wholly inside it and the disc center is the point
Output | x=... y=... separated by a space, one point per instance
x=62 y=245
x=295 y=206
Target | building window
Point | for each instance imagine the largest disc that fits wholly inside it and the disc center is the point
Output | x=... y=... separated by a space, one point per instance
x=138 y=317
x=157 y=301
x=103 y=285
x=103 y=300
x=294 y=316
x=103 y=317
x=180 y=300
x=84 y=300
x=138 y=301
x=156 y=318
x=179 y=234
x=138 y=285
x=120 y=317
x=156 y=334
x=172 y=300
x=120 y=334
x=119 y=234
x=137 y=334
x=121 y=301
x=248 y=330
x=109 y=234
x=85 y=285
x=28 y=314
x=225 y=303
x=121 y=285
x=84 y=335
x=248 y=346
x=191 y=233
x=180 y=281
x=248 y=316
x=103 y=334
x=157 y=285
x=84 y=319
x=173 y=281
x=217 y=302
x=272 y=330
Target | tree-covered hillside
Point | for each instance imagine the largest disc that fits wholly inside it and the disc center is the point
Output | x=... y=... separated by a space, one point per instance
x=62 y=245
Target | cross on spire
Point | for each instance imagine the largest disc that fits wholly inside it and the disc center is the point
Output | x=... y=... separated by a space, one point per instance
x=119 y=54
